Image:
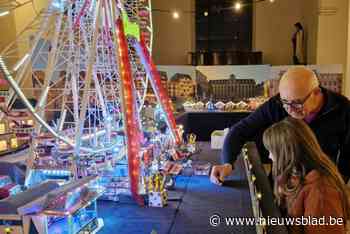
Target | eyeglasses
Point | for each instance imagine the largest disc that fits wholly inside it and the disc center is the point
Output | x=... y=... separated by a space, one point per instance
x=296 y=105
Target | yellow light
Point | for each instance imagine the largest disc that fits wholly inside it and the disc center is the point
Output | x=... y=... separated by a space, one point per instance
x=253 y=178
x=3 y=145
x=238 y=6
x=176 y=15
x=258 y=195
x=272 y=1
x=206 y=13
x=14 y=143
x=2 y=128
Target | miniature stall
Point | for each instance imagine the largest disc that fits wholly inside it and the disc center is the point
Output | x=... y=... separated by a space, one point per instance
x=48 y=208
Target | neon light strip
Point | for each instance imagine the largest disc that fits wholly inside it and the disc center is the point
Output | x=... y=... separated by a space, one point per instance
x=157 y=86
x=161 y=94
x=132 y=130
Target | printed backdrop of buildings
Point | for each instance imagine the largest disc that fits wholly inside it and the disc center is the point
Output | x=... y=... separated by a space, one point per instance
x=224 y=83
x=235 y=83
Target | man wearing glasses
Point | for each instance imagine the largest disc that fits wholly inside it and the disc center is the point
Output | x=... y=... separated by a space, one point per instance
x=327 y=113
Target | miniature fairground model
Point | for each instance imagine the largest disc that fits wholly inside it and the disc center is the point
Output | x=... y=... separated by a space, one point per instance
x=88 y=65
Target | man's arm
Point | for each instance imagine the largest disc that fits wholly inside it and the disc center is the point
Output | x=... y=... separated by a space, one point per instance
x=246 y=129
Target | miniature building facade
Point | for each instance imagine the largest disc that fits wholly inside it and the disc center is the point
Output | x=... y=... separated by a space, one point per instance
x=4 y=90
x=181 y=86
x=203 y=87
x=233 y=89
x=330 y=81
x=12 y=136
x=164 y=79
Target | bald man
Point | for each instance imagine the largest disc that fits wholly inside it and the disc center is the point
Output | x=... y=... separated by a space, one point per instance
x=300 y=96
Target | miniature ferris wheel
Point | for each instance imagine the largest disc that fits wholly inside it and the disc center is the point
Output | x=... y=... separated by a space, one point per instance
x=87 y=64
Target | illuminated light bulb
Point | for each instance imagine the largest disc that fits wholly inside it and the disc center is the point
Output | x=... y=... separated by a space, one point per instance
x=258 y=195
x=4 y=13
x=206 y=13
x=176 y=15
x=238 y=6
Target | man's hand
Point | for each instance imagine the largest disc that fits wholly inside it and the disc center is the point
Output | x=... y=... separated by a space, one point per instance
x=219 y=172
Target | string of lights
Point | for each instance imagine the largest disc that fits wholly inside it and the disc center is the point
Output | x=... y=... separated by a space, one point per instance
x=175 y=13
x=237 y=6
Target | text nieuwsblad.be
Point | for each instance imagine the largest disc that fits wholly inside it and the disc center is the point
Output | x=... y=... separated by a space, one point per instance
x=271 y=221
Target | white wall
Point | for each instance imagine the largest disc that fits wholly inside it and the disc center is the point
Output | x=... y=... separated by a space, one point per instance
x=332 y=46
x=310 y=23
x=8 y=29
x=273 y=27
x=173 y=38
x=11 y=25
x=332 y=32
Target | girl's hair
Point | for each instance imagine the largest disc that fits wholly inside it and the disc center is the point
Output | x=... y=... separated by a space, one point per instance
x=297 y=152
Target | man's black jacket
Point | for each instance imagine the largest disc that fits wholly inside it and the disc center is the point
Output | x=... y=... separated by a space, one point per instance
x=331 y=127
